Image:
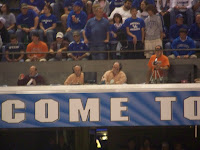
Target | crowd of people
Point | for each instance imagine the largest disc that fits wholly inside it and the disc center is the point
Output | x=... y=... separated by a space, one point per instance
x=90 y=28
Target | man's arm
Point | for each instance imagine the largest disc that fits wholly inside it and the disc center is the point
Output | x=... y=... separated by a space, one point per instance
x=122 y=79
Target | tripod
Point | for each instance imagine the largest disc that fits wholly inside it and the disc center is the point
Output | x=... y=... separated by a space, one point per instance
x=154 y=78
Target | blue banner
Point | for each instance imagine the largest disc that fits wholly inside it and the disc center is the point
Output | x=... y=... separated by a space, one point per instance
x=90 y=109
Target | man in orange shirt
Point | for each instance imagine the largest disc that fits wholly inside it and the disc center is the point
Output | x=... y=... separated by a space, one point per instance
x=37 y=47
x=157 y=66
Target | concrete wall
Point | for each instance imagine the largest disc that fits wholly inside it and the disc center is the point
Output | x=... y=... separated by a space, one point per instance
x=56 y=72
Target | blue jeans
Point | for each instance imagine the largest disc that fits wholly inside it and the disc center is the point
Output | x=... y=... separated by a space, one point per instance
x=98 y=56
x=21 y=34
x=50 y=35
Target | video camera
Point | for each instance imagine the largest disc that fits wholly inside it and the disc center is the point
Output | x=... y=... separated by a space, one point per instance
x=155 y=62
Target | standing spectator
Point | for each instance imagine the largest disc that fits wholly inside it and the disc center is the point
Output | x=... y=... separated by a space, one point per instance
x=196 y=6
x=115 y=75
x=33 y=78
x=142 y=13
x=194 y=31
x=47 y=24
x=27 y=23
x=184 y=7
x=183 y=42
x=124 y=10
x=14 y=46
x=36 y=5
x=76 y=78
x=153 y=30
x=135 y=31
x=9 y=17
x=38 y=47
x=164 y=7
x=115 y=29
x=104 y=5
x=96 y=32
x=3 y=31
x=136 y=3
x=174 y=31
x=91 y=15
x=76 y=20
x=57 y=47
x=77 y=45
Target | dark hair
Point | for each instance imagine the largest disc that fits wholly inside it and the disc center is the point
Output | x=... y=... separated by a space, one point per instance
x=118 y=16
x=13 y=36
x=75 y=66
x=158 y=47
x=146 y=3
x=133 y=8
x=183 y=30
x=127 y=1
x=7 y=8
x=151 y=7
x=49 y=7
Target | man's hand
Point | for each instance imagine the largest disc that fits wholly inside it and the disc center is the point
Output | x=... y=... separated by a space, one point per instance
x=51 y=51
x=186 y=56
x=34 y=82
x=68 y=30
x=106 y=41
x=178 y=57
x=134 y=40
x=27 y=30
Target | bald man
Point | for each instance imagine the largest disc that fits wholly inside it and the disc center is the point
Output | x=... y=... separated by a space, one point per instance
x=33 y=78
x=115 y=75
x=76 y=78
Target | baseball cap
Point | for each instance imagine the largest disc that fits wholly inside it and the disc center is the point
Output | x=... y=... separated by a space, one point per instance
x=59 y=35
x=2 y=20
x=158 y=48
x=77 y=3
x=179 y=16
x=76 y=33
x=24 y=5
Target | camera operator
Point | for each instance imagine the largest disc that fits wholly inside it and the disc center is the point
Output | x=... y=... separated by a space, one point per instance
x=158 y=64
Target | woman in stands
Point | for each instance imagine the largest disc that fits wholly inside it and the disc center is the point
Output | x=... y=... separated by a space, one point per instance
x=47 y=23
x=9 y=17
x=142 y=13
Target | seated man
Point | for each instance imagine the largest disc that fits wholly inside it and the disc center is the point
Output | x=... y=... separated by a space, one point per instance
x=77 y=45
x=76 y=78
x=38 y=47
x=32 y=79
x=114 y=76
x=183 y=42
x=157 y=66
x=57 y=47
x=14 y=46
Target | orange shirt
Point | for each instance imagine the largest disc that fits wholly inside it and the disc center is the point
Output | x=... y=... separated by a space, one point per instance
x=40 y=47
x=162 y=61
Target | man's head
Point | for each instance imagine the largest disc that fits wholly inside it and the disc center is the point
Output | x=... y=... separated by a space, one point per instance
x=13 y=39
x=76 y=36
x=117 y=66
x=77 y=6
x=32 y=71
x=183 y=33
x=24 y=8
x=179 y=19
x=197 y=18
x=35 y=37
x=131 y=144
x=133 y=11
x=127 y=4
x=2 y=22
x=151 y=9
x=77 y=69
x=59 y=37
x=158 y=51
x=97 y=10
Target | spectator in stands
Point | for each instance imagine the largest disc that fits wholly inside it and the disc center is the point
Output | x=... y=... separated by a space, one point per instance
x=36 y=5
x=115 y=29
x=131 y=144
x=78 y=45
x=14 y=46
x=158 y=62
x=183 y=42
x=76 y=20
x=33 y=78
x=76 y=78
x=38 y=47
x=153 y=30
x=104 y=5
x=91 y=15
x=115 y=3
x=184 y=7
x=57 y=47
x=27 y=23
x=196 y=6
x=47 y=23
x=124 y=10
x=135 y=31
x=115 y=75
x=3 y=31
x=136 y=3
x=96 y=33
x=194 y=31
x=142 y=13
x=164 y=7
x=174 y=31
x=9 y=17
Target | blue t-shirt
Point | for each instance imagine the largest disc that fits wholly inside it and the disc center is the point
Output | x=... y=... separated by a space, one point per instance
x=73 y=46
x=82 y=19
x=14 y=48
x=174 y=31
x=194 y=32
x=47 y=21
x=135 y=27
x=136 y=3
x=26 y=20
x=179 y=44
x=96 y=31
x=115 y=29
x=38 y=3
